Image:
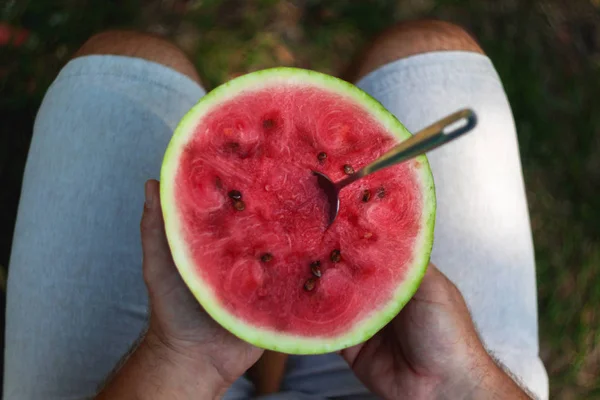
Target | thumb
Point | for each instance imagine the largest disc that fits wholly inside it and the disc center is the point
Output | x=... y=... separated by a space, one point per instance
x=158 y=266
x=174 y=309
x=437 y=288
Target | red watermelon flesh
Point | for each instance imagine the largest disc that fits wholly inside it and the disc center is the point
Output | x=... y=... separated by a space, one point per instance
x=256 y=252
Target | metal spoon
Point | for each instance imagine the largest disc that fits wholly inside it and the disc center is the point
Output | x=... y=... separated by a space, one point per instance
x=428 y=139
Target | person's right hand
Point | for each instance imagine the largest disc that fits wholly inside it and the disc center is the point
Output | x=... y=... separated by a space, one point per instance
x=431 y=350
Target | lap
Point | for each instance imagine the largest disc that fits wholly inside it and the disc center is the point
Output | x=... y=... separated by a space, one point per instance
x=76 y=298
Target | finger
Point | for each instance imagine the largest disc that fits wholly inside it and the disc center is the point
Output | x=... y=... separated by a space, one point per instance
x=434 y=281
x=157 y=260
x=437 y=288
x=432 y=273
x=351 y=353
x=363 y=350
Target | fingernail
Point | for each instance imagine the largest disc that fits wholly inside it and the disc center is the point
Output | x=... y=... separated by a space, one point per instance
x=149 y=195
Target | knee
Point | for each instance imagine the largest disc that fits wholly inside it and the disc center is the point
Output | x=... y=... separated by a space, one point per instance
x=415 y=37
x=140 y=45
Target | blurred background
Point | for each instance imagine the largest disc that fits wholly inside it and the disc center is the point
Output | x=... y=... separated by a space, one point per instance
x=547 y=53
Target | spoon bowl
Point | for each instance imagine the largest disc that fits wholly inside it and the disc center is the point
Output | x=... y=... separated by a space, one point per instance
x=332 y=193
x=438 y=134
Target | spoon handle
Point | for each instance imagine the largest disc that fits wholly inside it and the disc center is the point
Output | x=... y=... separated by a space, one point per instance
x=423 y=141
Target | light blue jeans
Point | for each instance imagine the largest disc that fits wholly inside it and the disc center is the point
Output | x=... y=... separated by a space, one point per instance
x=76 y=298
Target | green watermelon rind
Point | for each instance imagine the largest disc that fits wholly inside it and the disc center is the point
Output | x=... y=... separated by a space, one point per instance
x=258 y=335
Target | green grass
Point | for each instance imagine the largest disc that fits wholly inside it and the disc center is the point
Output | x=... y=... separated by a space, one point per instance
x=546 y=52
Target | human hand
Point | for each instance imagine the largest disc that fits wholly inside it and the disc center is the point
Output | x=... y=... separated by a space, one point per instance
x=431 y=350
x=179 y=329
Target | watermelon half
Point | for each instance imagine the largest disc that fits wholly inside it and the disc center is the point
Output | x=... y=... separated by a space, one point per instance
x=247 y=223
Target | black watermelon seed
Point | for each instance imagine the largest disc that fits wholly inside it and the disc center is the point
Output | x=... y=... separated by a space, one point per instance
x=322 y=156
x=348 y=170
x=309 y=285
x=336 y=256
x=235 y=194
x=315 y=268
x=266 y=257
x=366 y=195
x=381 y=192
x=239 y=205
x=268 y=123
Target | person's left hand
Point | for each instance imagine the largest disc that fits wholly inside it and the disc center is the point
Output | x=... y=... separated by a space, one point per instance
x=179 y=328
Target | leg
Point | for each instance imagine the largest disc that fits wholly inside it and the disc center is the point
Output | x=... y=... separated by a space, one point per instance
x=422 y=71
x=76 y=297
x=328 y=375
